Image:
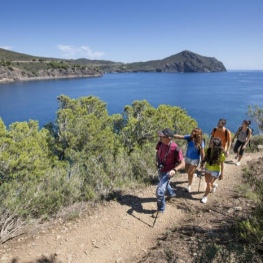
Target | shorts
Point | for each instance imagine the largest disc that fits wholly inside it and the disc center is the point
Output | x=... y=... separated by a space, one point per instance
x=215 y=174
x=194 y=162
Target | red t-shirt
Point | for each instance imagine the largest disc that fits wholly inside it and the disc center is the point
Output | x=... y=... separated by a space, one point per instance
x=170 y=155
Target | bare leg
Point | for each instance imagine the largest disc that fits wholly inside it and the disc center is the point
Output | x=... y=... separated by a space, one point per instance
x=191 y=171
x=209 y=181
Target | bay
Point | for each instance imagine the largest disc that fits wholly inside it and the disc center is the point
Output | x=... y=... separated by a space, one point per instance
x=205 y=96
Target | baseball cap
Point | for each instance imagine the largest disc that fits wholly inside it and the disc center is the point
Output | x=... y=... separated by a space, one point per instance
x=166 y=132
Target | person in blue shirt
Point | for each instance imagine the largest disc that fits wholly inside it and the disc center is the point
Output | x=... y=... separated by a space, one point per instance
x=194 y=153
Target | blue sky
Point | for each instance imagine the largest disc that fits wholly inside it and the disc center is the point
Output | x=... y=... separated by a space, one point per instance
x=135 y=30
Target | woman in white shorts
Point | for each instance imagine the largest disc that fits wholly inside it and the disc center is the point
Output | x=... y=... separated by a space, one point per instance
x=214 y=165
x=194 y=153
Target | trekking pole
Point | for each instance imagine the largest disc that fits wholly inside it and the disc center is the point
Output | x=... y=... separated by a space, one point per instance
x=199 y=182
x=200 y=176
x=161 y=201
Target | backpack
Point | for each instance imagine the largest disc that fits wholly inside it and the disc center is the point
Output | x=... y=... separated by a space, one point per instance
x=226 y=133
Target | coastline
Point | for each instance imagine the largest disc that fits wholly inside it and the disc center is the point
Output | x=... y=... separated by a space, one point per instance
x=10 y=80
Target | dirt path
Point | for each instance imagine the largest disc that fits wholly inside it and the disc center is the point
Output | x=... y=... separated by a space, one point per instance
x=116 y=231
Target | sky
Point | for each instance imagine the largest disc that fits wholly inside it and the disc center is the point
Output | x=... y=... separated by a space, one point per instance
x=135 y=30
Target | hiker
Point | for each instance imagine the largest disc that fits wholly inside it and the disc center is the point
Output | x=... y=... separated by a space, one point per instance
x=214 y=166
x=194 y=153
x=169 y=159
x=224 y=134
x=243 y=136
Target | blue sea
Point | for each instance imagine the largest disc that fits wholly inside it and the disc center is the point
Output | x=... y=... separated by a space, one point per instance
x=205 y=96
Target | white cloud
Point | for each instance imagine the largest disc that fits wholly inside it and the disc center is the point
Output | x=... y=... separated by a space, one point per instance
x=71 y=52
x=6 y=47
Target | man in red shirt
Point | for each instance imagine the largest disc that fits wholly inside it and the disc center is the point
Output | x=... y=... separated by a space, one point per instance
x=169 y=159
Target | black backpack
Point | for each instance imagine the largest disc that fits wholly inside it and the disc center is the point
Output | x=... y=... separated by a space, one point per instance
x=226 y=132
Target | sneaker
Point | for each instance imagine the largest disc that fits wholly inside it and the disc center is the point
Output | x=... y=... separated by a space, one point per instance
x=214 y=187
x=188 y=188
x=204 y=199
x=169 y=198
x=237 y=163
x=157 y=214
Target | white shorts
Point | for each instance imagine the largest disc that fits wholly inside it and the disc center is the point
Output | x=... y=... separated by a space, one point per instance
x=213 y=173
x=194 y=162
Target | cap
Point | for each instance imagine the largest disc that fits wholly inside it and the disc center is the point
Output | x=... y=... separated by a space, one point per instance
x=166 y=132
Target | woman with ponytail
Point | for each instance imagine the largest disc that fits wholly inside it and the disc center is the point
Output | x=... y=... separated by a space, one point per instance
x=214 y=166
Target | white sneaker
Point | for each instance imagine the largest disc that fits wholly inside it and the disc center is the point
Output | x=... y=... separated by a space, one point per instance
x=188 y=188
x=214 y=187
x=237 y=163
x=204 y=199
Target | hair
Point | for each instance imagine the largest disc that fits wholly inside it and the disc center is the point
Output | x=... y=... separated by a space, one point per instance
x=223 y=120
x=247 y=122
x=197 y=137
x=213 y=153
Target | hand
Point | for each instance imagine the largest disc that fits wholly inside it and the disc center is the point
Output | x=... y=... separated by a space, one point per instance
x=172 y=173
x=220 y=177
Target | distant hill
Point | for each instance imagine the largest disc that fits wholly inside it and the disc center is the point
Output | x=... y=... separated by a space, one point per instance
x=16 y=66
x=185 y=61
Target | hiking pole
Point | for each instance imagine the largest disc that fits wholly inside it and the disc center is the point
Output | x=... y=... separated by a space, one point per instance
x=200 y=176
x=199 y=182
x=161 y=201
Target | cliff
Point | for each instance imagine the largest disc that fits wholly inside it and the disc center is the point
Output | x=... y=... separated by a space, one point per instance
x=10 y=74
x=184 y=61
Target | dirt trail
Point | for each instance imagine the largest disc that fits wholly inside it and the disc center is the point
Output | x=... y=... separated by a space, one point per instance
x=117 y=231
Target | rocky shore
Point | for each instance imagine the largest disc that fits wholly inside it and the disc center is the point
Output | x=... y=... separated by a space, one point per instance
x=12 y=74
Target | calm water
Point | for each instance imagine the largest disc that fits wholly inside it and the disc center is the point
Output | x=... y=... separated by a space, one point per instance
x=205 y=96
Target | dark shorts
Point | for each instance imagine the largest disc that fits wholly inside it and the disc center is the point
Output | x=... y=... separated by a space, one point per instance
x=238 y=148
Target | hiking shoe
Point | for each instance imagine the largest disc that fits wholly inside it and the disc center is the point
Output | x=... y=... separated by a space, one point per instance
x=169 y=198
x=237 y=163
x=214 y=187
x=188 y=188
x=157 y=214
x=204 y=199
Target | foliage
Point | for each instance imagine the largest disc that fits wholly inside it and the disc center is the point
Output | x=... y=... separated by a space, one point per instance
x=250 y=230
x=85 y=155
x=256 y=114
x=24 y=152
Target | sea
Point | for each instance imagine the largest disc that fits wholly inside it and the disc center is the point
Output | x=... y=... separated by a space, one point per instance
x=206 y=97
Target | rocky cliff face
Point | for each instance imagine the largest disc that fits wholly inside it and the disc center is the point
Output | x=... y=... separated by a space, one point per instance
x=184 y=61
x=10 y=74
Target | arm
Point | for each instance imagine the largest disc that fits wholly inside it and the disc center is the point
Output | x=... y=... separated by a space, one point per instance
x=156 y=159
x=178 y=167
x=229 y=143
x=237 y=132
x=202 y=153
x=177 y=136
x=248 y=138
